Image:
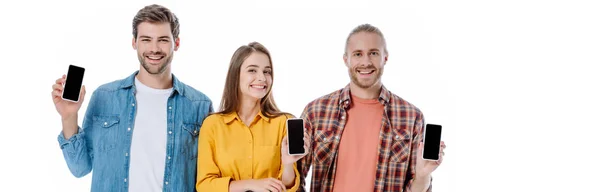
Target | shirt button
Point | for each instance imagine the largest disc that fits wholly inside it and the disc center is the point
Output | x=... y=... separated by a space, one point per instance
x=169 y=157
x=195 y=131
x=343 y=117
x=133 y=104
x=128 y=128
x=125 y=180
x=169 y=107
x=126 y=154
x=170 y=132
x=166 y=183
x=397 y=137
x=105 y=123
x=337 y=137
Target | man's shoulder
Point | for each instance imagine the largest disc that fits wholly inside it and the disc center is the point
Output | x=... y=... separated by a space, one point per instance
x=322 y=102
x=402 y=104
x=193 y=94
x=111 y=86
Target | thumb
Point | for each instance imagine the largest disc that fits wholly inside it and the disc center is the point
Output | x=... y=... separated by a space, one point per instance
x=82 y=94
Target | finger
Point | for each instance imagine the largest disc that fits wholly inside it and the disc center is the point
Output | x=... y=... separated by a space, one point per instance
x=439 y=161
x=285 y=140
x=281 y=185
x=443 y=145
x=56 y=97
x=82 y=94
x=57 y=87
x=273 y=187
x=59 y=80
x=270 y=188
x=277 y=183
x=56 y=93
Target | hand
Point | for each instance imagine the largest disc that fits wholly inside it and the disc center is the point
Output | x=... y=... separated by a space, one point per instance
x=286 y=158
x=66 y=109
x=261 y=185
x=426 y=167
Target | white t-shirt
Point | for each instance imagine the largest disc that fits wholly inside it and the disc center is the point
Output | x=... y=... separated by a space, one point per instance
x=149 y=140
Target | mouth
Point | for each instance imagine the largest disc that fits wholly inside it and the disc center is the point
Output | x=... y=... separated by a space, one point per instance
x=365 y=72
x=260 y=87
x=154 y=58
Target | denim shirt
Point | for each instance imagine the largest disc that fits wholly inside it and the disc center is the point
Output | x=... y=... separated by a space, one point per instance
x=103 y=142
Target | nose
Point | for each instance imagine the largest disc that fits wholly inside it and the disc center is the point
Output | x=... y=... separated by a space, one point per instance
x=154 y=48
x=365 y=61
x=261 y=77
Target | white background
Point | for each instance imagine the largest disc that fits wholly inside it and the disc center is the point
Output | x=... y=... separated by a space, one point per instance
x=514 y=83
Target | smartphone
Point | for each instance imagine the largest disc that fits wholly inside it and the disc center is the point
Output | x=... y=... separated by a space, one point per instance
x=295 y=132
x=431 y=143
x=73 y=83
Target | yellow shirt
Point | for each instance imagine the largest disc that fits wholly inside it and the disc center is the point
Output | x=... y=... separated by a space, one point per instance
x=228 y=150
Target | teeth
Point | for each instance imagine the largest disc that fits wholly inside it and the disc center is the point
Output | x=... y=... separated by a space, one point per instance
x=365 y=72
x=258 y=86
x=155 y=57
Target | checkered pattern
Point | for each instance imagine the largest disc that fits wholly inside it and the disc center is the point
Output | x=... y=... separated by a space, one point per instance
x=401 y=132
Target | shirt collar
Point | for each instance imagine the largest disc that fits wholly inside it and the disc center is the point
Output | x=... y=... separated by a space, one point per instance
x=345 y=97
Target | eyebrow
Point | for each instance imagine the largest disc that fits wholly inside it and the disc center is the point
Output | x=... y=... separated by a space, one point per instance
x=161 y=37
x=267 y=67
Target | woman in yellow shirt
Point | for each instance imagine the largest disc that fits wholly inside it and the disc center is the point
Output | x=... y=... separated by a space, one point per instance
x=244 y=146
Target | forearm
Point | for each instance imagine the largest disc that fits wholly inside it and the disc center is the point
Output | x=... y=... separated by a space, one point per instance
x=289 y=176
x=238 y=186
x=76 y=154
x=420 y=183
x=69 y=126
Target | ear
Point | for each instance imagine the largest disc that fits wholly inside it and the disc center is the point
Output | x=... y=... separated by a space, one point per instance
x=176 y=44
x=133 y=44
x=385 y=59
x=345 y=59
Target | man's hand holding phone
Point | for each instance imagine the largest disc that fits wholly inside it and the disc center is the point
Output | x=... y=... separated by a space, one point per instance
x=66 y=105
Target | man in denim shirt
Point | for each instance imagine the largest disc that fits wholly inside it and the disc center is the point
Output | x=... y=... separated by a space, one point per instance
x=139 y=133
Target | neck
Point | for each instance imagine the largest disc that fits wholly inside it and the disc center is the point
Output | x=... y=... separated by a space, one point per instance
x=366 y=93
x=248 y=109
x=157 y=81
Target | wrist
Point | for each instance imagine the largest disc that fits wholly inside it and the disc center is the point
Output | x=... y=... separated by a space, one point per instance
x=69 y=118
x=426 y=177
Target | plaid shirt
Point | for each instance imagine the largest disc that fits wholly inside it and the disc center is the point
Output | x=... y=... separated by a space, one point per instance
x=401 y=132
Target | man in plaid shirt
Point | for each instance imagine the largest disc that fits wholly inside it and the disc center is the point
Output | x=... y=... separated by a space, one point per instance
x=365 y=138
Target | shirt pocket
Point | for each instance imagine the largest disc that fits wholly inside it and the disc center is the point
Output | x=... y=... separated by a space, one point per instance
x=105 y=128
x=323 y=145
x=189 y=134
x=401 y=149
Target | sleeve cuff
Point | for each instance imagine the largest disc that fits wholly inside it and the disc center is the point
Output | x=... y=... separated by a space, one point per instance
x=63 y=143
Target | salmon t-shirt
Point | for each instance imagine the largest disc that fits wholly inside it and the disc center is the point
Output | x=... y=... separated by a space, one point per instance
x=357 y=155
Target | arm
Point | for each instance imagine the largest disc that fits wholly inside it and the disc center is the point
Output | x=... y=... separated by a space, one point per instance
x=416 y=182
x=74 y=142
x=303 y=165
x=208 y=174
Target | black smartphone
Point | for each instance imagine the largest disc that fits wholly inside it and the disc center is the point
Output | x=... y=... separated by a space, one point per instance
x=73 y=83
x=295 y=132
x=431 y=143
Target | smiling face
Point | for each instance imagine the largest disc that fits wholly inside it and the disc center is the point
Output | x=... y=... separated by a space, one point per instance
x=255 y=76
x=365 y=58
x=155 y=45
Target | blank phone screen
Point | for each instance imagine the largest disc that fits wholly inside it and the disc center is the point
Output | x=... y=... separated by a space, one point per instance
x=296 y=136
x=431 y=145
x=73 y=83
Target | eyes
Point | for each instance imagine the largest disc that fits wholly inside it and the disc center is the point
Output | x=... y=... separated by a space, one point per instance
x=360 y=54
x=266 y=71
x=147 y=40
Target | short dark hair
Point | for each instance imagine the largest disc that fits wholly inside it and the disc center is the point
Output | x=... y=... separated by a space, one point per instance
x=156 y=14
